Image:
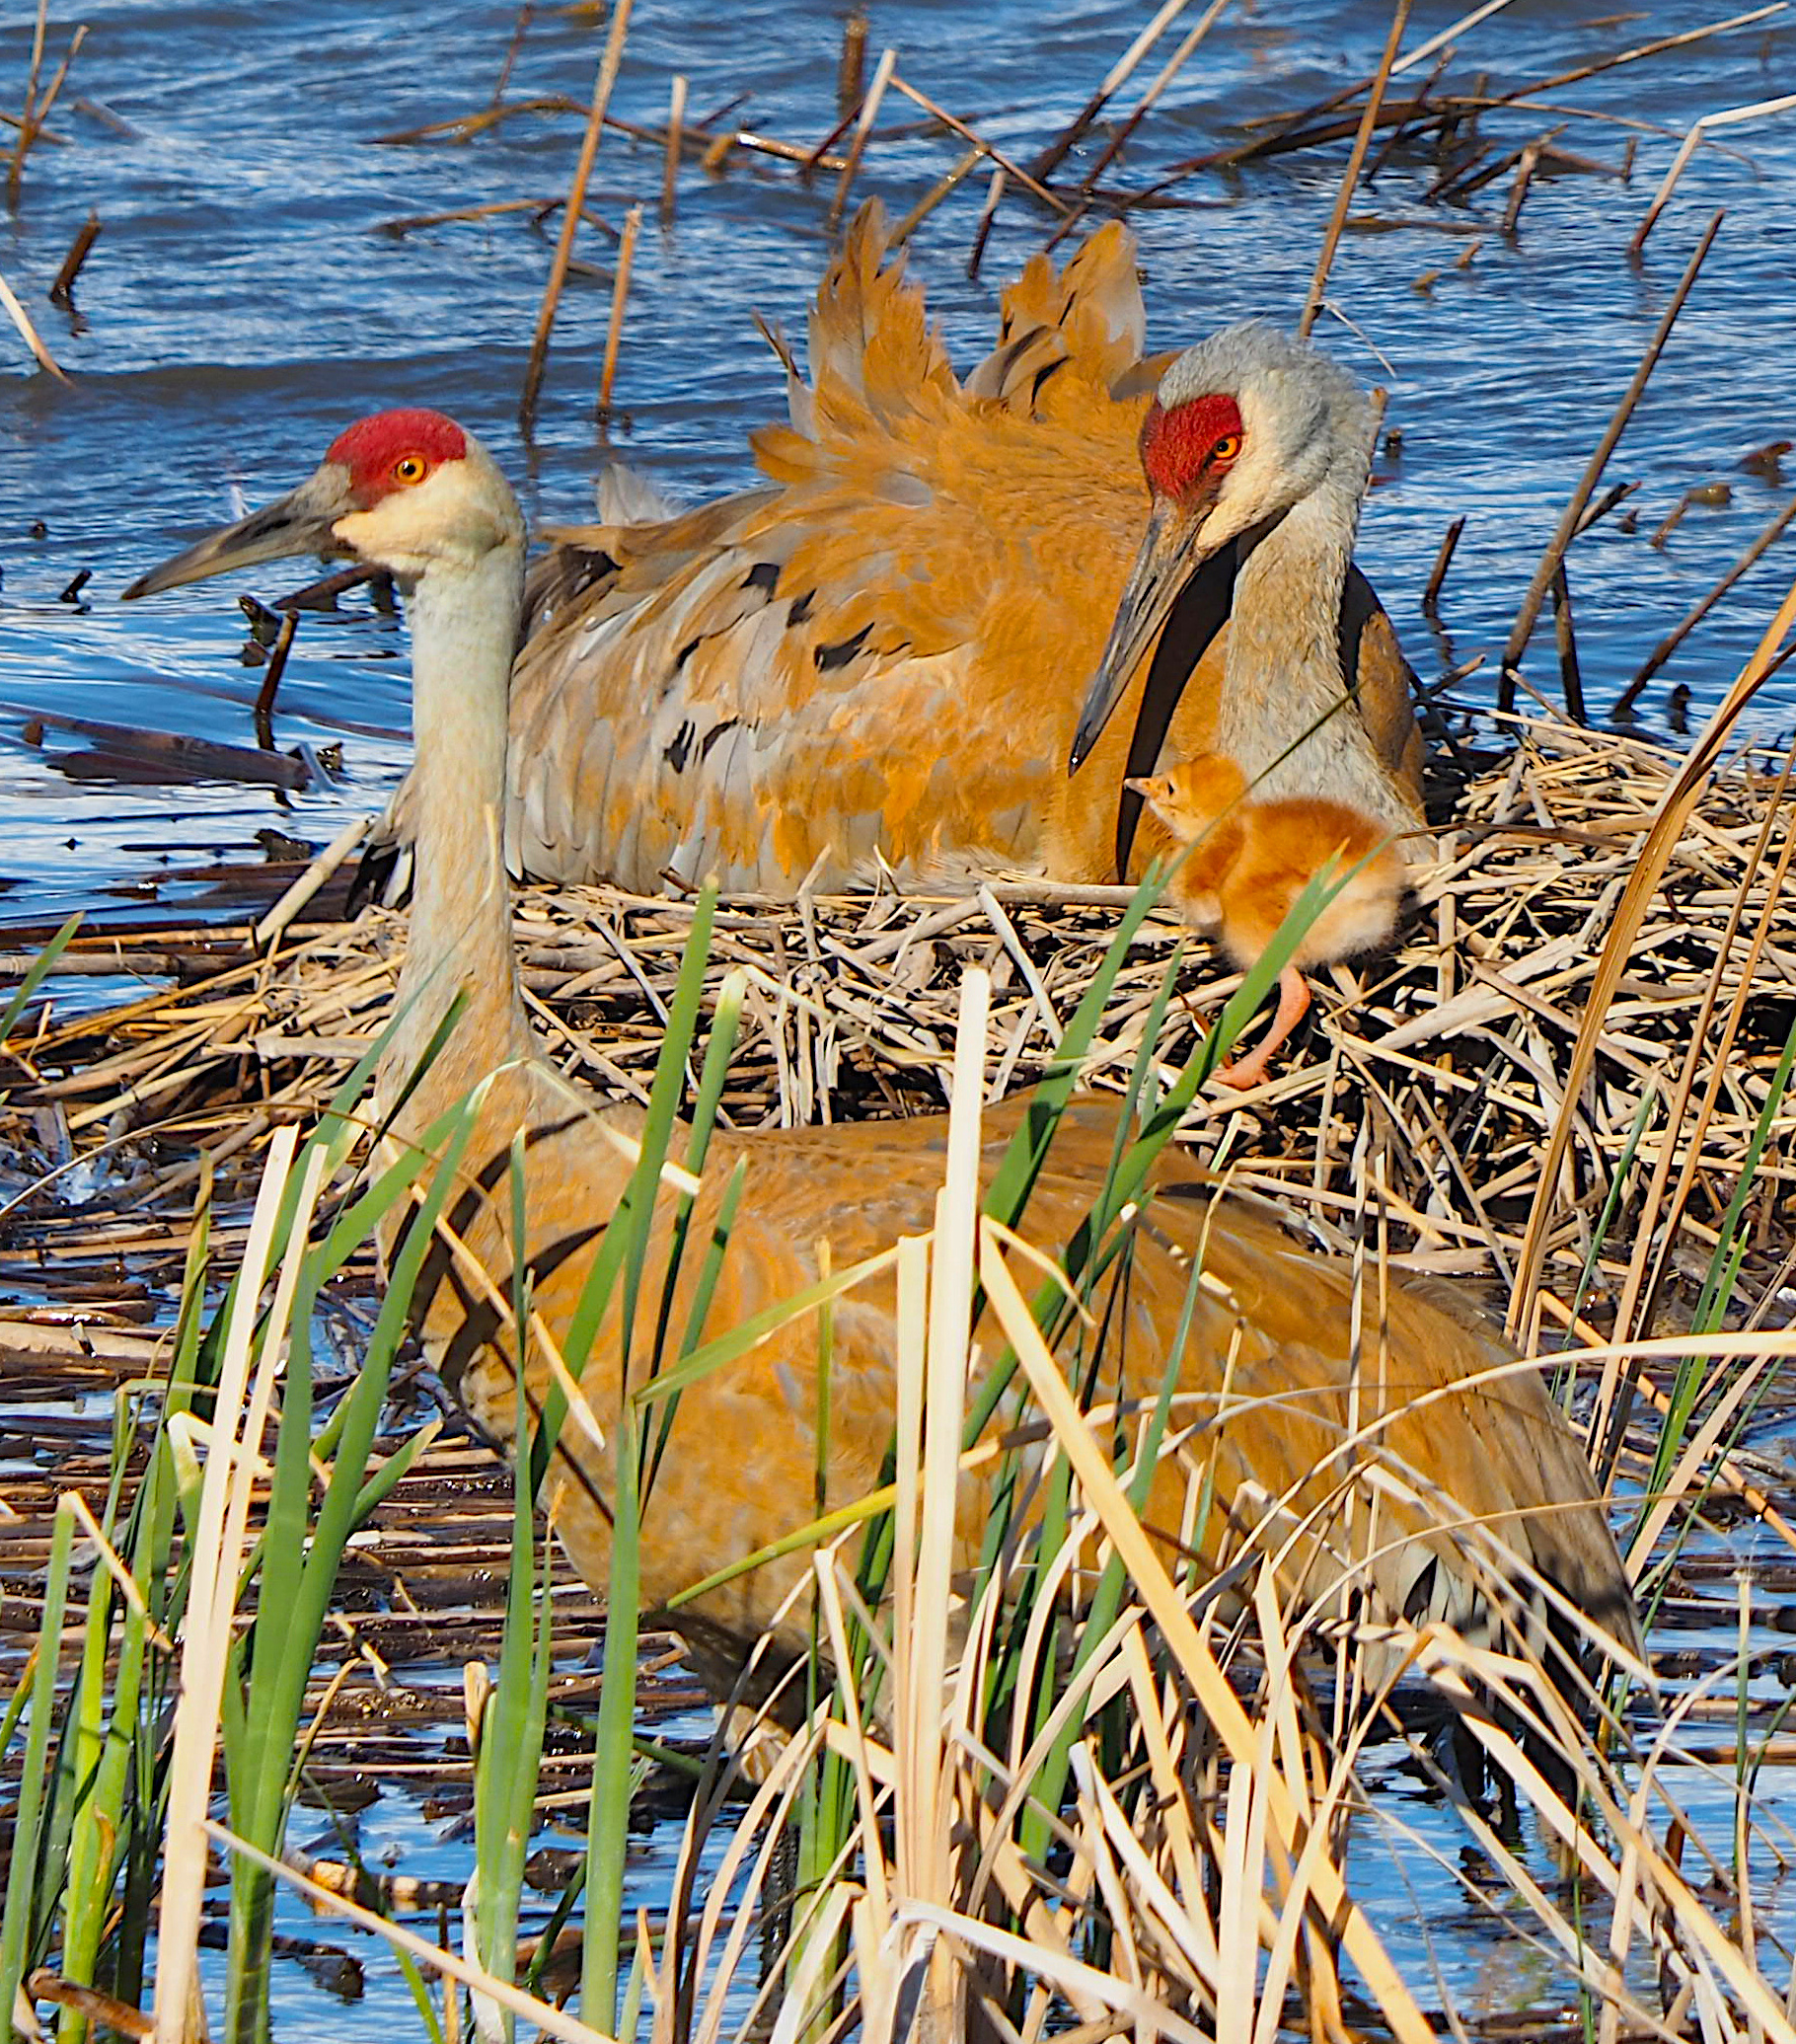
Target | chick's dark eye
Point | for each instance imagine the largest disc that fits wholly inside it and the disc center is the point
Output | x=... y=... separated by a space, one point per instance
x=409 y=468
x=1227 y=449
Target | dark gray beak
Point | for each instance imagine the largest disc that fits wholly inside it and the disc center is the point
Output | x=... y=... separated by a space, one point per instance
x=300 y=523
x=1172 y=551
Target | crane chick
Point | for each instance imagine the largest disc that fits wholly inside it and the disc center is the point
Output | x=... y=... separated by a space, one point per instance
x=1248 y=861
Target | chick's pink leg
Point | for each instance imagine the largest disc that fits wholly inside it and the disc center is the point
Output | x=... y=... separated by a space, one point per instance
x=1293 y=1006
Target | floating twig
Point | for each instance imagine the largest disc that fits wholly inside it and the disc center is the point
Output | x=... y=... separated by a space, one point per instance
x=626 y=248
x=570 y=217
x=1524 y=625
x=1699 y=609
x=1351 y=175
x=412 y=223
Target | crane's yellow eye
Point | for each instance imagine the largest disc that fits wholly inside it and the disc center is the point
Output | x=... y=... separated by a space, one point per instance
x=409 y=468
x=1227 y=449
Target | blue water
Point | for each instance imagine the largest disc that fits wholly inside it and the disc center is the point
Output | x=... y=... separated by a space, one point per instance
x=243 y=304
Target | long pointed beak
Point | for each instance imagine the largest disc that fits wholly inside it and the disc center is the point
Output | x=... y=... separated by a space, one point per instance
x=301 y=522
x=1172 y=551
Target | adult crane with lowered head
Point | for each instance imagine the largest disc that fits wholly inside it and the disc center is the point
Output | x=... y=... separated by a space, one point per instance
x=875 y=657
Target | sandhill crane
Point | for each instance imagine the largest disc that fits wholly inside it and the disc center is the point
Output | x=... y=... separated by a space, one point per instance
x=411 y=493
x=1249 y=861
x=1259 y=444
x=877 y=654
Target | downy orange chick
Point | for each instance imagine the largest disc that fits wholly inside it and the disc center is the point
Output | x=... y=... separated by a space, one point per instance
x=1248 y=861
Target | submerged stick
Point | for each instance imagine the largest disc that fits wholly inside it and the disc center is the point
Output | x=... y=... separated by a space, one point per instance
x=570 y=216
x=1351 y=177
x=620 y=292
x=937 y=192
x=1524 y=625
x=1699 y=609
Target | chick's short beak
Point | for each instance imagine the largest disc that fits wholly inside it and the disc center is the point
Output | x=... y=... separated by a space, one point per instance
x=1172 y=551
x=301 y=522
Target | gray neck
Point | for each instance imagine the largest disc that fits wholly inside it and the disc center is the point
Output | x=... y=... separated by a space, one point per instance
x=464 y=623
x=1283 y=676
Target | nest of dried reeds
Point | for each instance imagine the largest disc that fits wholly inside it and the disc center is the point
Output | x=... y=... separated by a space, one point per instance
x=1418 y=1105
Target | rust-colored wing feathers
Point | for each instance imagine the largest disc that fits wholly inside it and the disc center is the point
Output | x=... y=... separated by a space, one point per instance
x=877 y=656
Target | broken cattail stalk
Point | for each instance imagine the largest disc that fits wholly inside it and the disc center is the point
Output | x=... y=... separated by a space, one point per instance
x=271 y=680
x=1050 y=158
x=670 y=168
x=1699 y=609
x=1525 y=173
x=1606 y=504
x=1524 y=625
x=966 y=134
x=25 y=117
x=1571 y=682
x=937 y=192
x=519 y=27
x=570 y=217
x=1431 y=595
x=1687 y=149
x=23 y=321
x=1351 y=177
x=32 y=127
x=1418 y=123
x=1168 y=71
x=863 y=127
x=988 y=213
x=626 y=248
x=1681 y=40
x=84 y=240
x=850 y=71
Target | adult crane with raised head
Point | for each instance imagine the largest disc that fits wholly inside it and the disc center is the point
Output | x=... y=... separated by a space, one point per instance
x=1269 y=1376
